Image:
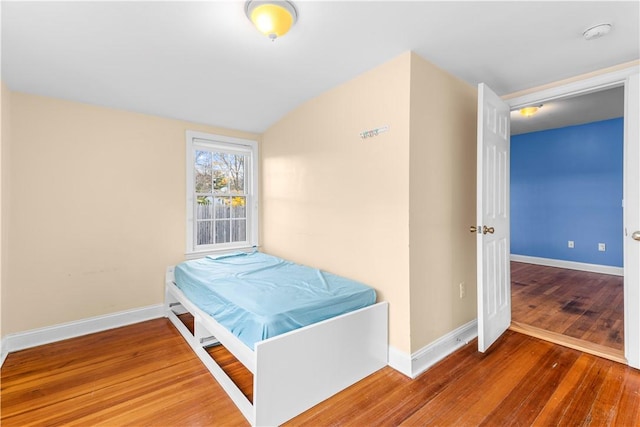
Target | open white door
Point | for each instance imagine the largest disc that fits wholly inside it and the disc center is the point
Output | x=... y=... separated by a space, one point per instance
x=494 y=272
x=632 y=222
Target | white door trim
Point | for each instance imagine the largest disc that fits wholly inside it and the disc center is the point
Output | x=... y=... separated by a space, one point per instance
x=631 y=221
x=632 y=122
x=592 y=84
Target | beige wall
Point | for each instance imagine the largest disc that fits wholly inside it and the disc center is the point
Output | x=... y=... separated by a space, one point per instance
x=93 y=189
x=392 y=211
x=5 y=98
x=442 y=202
x=97 y=210
x=341 y=203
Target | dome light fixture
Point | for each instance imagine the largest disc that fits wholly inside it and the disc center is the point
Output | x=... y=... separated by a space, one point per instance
x=272 y=18
x=530 y=111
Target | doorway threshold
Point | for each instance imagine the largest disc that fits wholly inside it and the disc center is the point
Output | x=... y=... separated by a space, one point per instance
x=567 y=341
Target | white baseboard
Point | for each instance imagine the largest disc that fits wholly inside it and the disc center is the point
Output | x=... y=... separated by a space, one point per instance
x=400 y=361
x=3 y=351
x=423 y=359
x=49 y=334
x=571 y=265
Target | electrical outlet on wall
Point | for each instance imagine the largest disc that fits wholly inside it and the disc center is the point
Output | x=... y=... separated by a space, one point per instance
x=571 y=244
x=602 y=247
x=463 y=290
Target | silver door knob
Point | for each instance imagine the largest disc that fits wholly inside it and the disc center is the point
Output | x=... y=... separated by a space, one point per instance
x=636 y=235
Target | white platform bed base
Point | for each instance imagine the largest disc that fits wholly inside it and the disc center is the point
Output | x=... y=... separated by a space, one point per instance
x=294 y=371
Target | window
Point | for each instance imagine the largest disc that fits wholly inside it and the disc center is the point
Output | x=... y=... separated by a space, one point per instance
x=221 y=192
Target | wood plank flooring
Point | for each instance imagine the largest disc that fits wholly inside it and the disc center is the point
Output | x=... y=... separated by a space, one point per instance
x=145 y=374
x=582 y=305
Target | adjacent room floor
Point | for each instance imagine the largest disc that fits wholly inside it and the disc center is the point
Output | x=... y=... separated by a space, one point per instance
x=577 y=304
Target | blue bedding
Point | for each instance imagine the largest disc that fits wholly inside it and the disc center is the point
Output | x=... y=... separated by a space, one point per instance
x=258 y=296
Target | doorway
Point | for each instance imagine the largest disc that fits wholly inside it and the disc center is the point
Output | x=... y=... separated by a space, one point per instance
x=491 y=288
x=566 y=194
x=567 y=220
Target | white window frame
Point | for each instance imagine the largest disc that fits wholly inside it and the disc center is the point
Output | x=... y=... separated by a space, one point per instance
x=212 y=142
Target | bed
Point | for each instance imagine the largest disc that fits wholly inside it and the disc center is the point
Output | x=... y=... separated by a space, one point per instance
x=321 y=333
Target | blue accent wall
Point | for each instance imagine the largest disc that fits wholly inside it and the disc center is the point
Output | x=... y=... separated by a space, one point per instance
x=566 y=184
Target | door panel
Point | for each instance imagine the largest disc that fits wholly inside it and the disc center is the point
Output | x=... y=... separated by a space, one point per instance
x=493 y=246
x=632 y=222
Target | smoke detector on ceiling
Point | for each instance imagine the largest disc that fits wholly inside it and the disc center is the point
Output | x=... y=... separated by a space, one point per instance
x=596 y=31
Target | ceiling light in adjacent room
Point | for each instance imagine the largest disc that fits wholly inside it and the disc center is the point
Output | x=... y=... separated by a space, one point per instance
x=596 y=31
x=529 y=111
x=272 y=18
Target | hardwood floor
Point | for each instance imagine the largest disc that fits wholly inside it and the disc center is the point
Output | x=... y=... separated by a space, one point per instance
x=145 y=374
x=581 y=305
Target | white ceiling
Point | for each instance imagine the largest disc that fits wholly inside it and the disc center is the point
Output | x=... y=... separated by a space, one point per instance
x=204 y=62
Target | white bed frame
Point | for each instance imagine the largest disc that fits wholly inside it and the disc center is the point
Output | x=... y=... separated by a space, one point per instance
x=294 y=371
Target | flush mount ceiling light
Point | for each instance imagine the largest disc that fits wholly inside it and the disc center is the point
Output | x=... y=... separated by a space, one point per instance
x=530 y=111
x=596 y=31
x=272 y=18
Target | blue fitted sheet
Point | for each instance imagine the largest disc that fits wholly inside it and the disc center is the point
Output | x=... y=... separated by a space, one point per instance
x=258 y=296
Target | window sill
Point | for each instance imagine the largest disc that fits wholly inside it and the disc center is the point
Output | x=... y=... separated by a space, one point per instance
x=204 y=253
